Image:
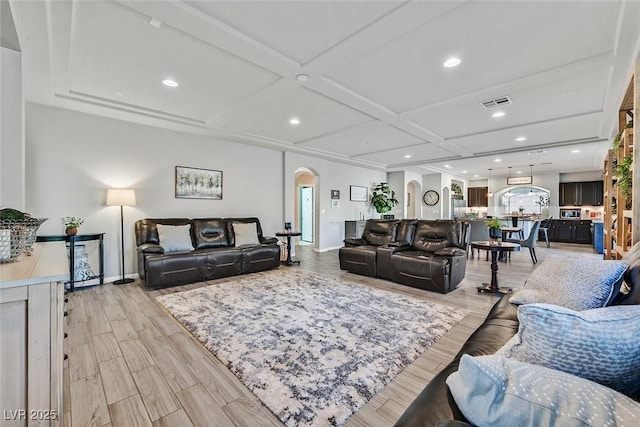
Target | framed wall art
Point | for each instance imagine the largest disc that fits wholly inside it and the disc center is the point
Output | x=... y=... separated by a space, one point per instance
x=358 y=193
x=195 y=183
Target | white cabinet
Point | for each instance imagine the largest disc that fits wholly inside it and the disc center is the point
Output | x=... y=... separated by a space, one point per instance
x=31 y=337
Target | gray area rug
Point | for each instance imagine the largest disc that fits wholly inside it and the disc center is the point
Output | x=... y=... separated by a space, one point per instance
x=314 y=349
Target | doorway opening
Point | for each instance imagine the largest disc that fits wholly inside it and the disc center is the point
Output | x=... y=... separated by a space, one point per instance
x=305 y=217
x=306 y=213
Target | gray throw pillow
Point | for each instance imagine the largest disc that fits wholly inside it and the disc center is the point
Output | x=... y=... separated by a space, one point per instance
x=246 y=233
x=174 y=238
x=575 y=283
x=601 y=345
x=496 y=391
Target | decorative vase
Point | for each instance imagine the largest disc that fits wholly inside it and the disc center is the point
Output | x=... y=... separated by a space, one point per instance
x=495 y=234
x=71 y=231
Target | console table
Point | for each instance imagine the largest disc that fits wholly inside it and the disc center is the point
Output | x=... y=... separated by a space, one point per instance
x=72 y=240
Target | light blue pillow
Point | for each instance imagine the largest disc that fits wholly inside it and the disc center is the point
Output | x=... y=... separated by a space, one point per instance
x=575 y=283
x=496 y=391
x=174 y=238
x=601 y=345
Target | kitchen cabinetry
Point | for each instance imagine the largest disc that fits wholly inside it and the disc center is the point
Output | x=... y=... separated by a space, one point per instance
x=589 y=193
x=354 y=228
x=570 y=231
x=31 y=336
x=478 y=197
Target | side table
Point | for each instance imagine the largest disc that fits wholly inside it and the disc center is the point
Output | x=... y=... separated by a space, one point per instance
x=289 y=235
x=494 y=248
x=72 y=240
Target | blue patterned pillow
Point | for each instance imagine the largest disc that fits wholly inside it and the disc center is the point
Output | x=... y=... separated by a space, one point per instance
x=601 y=345
x=496 y=391
x=575 y=283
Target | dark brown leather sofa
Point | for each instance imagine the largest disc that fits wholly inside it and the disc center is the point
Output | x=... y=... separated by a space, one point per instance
x=426 y=254
x=215 y=254
x=435 y=406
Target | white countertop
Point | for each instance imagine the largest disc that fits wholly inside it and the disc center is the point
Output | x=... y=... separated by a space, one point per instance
x=48 y=263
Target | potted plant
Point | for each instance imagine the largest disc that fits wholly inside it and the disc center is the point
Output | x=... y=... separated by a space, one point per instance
x=383 y=198
x=72 y=223
x=624 y=173
x=495 y=232
x=457 y=191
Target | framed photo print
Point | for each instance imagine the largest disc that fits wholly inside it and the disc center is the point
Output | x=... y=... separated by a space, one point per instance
x=194 y=183
x=358 y=193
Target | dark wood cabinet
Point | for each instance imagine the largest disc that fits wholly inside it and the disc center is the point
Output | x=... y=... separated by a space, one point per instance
x=570 y=231
x=589 y=193
x=478 y=197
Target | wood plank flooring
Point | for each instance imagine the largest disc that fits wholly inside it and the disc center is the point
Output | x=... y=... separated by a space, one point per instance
x=131 y=364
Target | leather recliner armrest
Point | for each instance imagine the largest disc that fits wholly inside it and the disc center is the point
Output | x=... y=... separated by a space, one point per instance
x=150 y=248
x=450 y=251
x=268 y=240
x=399 y=245
x=354 y=241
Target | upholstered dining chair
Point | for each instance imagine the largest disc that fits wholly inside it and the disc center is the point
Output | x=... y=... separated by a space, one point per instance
x=530 y=242
x=544 y=227
x=479 y=232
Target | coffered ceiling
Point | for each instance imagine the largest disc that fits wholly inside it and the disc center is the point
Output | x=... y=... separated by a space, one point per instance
x=377 y=92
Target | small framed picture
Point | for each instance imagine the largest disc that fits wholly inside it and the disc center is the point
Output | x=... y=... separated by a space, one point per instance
x=335 y=194
x=358 y=193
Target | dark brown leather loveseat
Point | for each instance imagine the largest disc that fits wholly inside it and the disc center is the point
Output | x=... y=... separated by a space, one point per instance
x=426 y=254
x=215 y=252
x=435 y=406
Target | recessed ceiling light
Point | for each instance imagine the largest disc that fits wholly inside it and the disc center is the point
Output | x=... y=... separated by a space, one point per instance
x=575 y=151
x=170 y=83
x=155 y=22
x=407 y=156
x=452 y=62
x=498 y=114
x=464 y=172
x=294 y=121
x=521 y=138
x=364 y=143
x=119 y=94
x=518 y=171
x=302 y=77
x=476 y=176
x=448 y=166
x=497 y=160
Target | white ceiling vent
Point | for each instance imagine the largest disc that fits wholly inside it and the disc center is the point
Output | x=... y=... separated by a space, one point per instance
x=490 y=104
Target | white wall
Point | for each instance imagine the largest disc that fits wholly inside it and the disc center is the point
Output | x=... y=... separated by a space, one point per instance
x=73 y=158
x=330 y=176
x=12 y=163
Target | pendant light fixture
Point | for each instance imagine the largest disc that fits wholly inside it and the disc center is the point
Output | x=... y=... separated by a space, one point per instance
x=531 y=193
x=490 y=194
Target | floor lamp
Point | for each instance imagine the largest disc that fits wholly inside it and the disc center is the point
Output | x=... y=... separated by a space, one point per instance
x=120 y=197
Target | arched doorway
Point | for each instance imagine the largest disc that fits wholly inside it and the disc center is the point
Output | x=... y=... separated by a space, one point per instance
x=305 y=205
x=414 y=190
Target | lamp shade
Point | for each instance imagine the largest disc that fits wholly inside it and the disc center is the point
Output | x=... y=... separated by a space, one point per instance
x=121 y=197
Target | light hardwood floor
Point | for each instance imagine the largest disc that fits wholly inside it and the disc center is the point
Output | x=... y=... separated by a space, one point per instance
x=130 y=363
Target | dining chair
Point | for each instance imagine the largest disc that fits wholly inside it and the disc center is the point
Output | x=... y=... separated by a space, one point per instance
x=530 y=242
x=545 y=229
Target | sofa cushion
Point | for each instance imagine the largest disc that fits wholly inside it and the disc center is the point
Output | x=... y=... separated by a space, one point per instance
x=431 y=236
x=496 y=391
x=209 y=233
x=246 y=234
x=575 y=283
x=600 y=344
x=379 y=232
x=174 y=238
x=146 y=231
